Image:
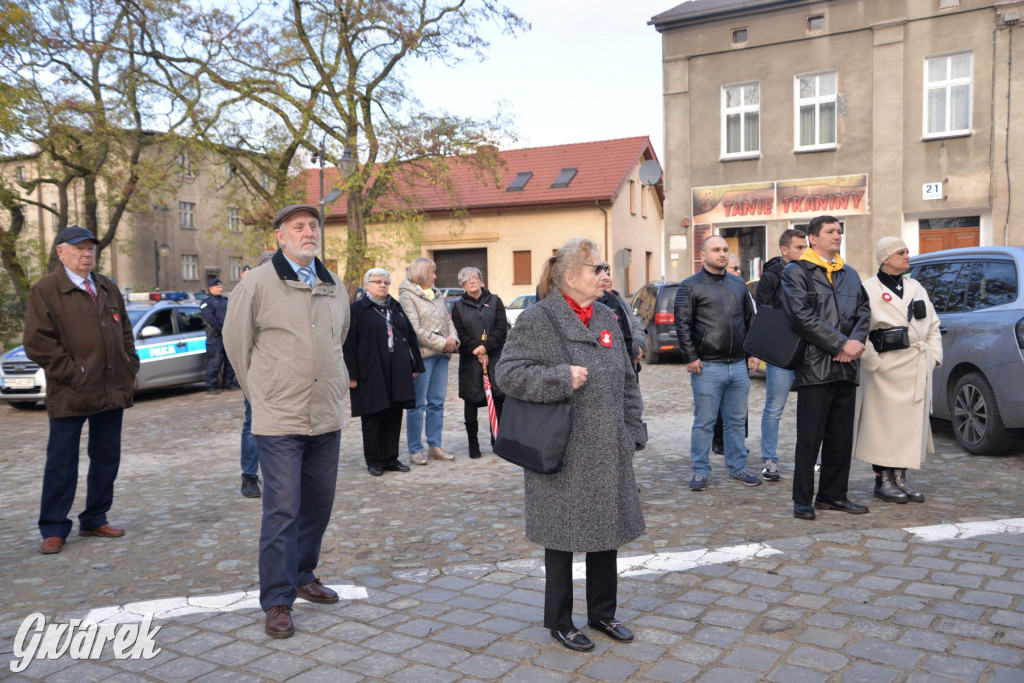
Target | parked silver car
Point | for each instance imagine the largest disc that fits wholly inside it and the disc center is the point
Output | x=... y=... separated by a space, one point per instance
x=170 y=338
x=518 y=305
x=980 y=387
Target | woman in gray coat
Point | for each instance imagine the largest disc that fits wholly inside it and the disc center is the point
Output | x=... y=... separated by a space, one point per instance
x=592 y=504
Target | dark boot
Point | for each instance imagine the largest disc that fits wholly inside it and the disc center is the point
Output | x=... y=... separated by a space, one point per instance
x=474 y=444
x=899 y=478
x=886 y=490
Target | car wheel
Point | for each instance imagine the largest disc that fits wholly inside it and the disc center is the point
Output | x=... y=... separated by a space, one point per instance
x=651 y=355
x=23 y=405
x=976 y=420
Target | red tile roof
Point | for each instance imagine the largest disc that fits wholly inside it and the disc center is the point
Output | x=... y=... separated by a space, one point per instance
x=602 y=170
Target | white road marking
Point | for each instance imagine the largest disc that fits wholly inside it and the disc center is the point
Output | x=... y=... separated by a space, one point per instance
x=945 y=532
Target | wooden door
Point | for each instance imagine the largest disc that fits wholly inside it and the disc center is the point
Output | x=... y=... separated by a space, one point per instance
x=947 y=238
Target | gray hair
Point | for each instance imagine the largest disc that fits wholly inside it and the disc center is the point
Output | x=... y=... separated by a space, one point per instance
x=468 y=272
x=569 y=258
x=418 y=271
x=375 y=272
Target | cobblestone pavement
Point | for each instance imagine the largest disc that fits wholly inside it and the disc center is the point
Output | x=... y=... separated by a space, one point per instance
x=443 y=585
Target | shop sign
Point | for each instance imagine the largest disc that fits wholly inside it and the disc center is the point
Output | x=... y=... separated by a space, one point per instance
x=783 y=200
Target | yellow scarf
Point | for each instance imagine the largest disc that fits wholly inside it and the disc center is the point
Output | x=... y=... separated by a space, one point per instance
x=815 y=258
x=428 y=293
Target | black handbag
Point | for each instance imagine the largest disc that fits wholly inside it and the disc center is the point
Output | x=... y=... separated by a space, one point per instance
x=534 y=436
x=890 y=339
x=771 y=339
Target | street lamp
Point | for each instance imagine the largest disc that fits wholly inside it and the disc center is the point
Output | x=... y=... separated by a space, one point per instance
x=347 y=166
x=158 y=251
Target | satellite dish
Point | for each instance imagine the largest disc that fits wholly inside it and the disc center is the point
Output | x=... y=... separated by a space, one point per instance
x=650 y=172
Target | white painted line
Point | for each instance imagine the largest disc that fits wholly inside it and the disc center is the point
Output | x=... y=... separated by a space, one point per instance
x=945 y=532
x=168 y=608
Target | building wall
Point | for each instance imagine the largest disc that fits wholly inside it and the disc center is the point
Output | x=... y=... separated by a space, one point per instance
x=538 y=231
x=878 y=50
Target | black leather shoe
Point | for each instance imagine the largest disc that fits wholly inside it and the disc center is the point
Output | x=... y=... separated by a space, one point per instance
x=842 y=506
x=375 y=471
x=396 y=467
x=574 y=640
x=613 y=628
x=801 y=511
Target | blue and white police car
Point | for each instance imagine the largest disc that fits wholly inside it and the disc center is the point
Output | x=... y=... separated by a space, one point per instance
x=170 y=338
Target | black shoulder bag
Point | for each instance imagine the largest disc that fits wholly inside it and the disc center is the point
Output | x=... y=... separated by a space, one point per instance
x=771 y=339
x=534 y=436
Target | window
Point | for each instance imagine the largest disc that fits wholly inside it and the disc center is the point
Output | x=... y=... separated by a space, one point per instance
x=816 y=22
x=632 y=197
x=937 y=279
x=20 y=172
x=816 y=111
x=185 y=165
x=643 y=201
x=948 y=4
x=235 y=268
x=520 y=181
x=189 y=320
x=190 y=267
x=187 y=215
x=741 y=120
x=234 y=219
x=993 y=283
x=521 y=269
x=948 y=83
x=739 y=36
x=565 y=177
x=162 y=319
x=229 y=172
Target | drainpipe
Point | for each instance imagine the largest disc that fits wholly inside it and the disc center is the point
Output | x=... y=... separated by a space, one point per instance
x=597 y=203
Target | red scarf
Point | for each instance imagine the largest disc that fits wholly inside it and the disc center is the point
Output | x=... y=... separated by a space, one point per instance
x=584 y=314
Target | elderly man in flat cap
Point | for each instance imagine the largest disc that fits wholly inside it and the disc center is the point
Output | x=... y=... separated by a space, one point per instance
x=284 y=334
x=77 y=330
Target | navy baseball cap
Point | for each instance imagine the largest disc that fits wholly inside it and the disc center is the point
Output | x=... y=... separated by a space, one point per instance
x=74 y=235
x=214 y=281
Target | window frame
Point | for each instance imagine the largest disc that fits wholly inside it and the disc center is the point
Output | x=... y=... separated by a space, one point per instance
x=235 y=222
x=743 y=111
x=187 y=215
x=235 y=266
x=948 y=84
x=190 y=267
x=517 y=256
x=816 y=101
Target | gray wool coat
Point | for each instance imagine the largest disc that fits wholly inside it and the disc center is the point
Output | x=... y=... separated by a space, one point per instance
x=592 y=504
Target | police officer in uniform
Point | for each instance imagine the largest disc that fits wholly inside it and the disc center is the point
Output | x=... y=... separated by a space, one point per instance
x=214 y=309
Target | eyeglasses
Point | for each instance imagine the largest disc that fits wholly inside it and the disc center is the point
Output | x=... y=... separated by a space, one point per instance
x=736 y=268
x=380 y=282
x=599 y=267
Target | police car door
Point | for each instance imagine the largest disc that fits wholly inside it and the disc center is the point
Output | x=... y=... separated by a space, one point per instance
x=164 y=353
x=192 y=329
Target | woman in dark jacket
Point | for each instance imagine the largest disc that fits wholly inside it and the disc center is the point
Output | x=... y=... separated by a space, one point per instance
x=382 y=356
x=592 y=505
x=481 y=326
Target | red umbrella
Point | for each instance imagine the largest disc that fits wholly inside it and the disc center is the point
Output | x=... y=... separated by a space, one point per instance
x=490 y=405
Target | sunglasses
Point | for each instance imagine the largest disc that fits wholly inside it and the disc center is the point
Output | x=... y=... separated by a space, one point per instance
x=599 y=267
x=736 y=268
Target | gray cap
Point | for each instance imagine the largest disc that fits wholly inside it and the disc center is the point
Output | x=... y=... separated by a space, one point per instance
x=264 y=257
x=74 y=235
x=285 y=213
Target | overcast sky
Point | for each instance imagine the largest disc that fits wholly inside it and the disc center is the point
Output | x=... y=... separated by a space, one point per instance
x=587 y=70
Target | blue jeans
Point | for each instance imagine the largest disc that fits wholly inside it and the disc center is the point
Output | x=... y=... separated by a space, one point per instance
x=431 y=389
x=60 y=477
x=250 y=448
x=778 y=382
x=299 y=474
x=720 y=385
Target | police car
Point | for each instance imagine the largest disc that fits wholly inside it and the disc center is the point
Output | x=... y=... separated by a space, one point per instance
x=170 y=338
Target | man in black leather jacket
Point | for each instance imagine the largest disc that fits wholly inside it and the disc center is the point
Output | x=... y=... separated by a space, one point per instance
x=713 y=312
x=826 y=306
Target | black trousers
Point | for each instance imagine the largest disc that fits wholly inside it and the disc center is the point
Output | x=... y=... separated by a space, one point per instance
x=602 y=583
x=381 y=431
x=469 y=412
x=824 y=419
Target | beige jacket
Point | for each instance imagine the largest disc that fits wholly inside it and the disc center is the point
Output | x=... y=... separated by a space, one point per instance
x=285 y=344
x=430 y=319
x=895 y=395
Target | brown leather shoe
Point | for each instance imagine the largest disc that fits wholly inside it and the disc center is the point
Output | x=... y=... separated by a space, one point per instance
x=52 y=545
x=314 y=591
x=106 y=531
x=279 y=622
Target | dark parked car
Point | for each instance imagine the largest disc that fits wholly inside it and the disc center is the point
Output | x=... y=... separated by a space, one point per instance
x=977 y=293
x=654 y=306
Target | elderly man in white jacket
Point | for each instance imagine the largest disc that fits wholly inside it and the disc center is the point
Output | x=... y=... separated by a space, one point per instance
x=284 y=334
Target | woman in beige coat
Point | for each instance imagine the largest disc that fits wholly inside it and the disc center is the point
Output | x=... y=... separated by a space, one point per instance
x=424 y=306
x=893 y=431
